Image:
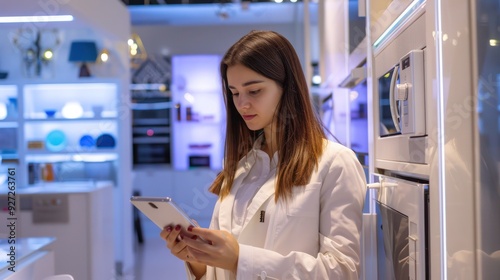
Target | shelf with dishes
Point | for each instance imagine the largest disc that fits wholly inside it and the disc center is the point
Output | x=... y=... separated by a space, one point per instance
x=8 y=103
x=71 y=137
x=70 y=101
x=69 y=126
x=8 y=123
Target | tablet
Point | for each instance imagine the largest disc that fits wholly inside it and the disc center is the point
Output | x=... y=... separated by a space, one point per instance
x=162 y=211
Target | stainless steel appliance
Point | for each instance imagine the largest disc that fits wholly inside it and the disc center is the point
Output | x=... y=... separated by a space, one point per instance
x=400 y=116
x=151 y=126
x=402 y=231
x=401 y=97
x=402 y=148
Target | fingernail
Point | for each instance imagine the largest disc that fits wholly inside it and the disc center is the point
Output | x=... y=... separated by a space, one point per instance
x=168 y=228
x=194 y=237
x=178 y=227
x=190 y=228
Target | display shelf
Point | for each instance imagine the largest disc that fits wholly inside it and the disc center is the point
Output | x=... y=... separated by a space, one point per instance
x=198 y=112
x=86 y=117
x=76 y=152
x=9 y=119
x=97 y=156
x=87 y=107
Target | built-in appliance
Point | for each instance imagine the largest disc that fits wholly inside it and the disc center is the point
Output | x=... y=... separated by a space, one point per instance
x=402 y=149
x=402 y=232
x=401 y=97
x=151 y=130
x=400 y=115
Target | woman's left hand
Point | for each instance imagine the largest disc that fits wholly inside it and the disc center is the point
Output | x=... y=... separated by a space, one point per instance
x=219 y=248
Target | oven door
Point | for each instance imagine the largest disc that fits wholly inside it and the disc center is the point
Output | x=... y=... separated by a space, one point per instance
x=151 y=130
x=148 y=150
x=402 y=241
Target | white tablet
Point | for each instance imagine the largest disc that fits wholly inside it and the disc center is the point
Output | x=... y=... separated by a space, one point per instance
x=162 y=211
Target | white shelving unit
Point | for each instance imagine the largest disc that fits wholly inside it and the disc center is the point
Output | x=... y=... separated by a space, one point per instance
x=9 y=157
x=99 y=101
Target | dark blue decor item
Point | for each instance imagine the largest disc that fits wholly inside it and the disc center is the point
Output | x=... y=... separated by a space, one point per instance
x=105 y=141
x=83 y=52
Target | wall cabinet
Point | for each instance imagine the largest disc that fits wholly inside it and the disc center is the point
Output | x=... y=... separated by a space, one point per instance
x=61 y=131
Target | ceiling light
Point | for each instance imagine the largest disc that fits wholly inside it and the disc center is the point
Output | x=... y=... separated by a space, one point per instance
x=48 y=54
x=20 y=19
x=104 y=56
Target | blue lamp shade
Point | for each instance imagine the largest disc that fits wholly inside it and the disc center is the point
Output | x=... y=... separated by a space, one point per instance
x=83 y=51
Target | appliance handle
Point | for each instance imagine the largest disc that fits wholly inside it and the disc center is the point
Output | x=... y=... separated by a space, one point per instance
x=375 y=186
x=151 y=106
x=392 y=99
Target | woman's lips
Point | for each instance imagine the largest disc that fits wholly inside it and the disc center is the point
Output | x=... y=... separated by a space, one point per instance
x=248 y=117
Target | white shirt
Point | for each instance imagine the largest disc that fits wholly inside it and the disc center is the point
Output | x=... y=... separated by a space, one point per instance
x=313 y=236
x=260 y=172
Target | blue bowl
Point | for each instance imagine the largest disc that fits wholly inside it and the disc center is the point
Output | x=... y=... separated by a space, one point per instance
x=50 y=113
x=105 y=141
x=87 y=141
x=55 y=141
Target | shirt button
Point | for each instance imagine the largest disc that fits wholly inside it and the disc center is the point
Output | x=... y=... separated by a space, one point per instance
x=263 y=275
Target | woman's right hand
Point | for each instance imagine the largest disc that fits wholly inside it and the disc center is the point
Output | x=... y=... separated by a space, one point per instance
x=172 y=235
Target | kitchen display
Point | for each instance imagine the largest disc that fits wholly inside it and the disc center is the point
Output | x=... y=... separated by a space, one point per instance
x=411 y=86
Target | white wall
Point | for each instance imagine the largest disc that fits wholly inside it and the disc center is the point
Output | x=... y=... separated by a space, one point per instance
x=212 y=39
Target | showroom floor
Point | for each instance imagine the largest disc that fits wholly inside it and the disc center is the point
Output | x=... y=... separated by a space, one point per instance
x=154 y=261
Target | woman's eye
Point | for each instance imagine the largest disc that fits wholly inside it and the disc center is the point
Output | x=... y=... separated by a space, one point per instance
x=235 y=94
x=254 y=91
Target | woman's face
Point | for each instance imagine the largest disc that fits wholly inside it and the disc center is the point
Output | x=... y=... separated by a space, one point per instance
x=256 y=97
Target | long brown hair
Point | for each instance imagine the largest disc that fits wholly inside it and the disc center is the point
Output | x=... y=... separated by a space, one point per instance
x=299 y=132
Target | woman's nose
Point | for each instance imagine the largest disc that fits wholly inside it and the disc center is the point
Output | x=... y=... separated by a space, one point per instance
x=242 y=102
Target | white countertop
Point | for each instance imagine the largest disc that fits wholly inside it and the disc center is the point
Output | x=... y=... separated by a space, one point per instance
x=24 y=247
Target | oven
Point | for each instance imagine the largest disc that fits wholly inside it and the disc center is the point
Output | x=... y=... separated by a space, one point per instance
x=151 y=128
x=402 y=207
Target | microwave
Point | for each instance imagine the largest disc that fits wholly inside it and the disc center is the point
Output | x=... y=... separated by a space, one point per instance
x=400 y=118
x=401 y=98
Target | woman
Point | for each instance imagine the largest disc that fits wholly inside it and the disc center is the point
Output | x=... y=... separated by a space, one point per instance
x=290 y=201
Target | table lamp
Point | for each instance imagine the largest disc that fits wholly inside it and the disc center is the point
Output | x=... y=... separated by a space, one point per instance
x=83 y=52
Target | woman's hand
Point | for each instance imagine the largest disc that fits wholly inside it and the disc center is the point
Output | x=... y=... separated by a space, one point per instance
x=218 y=248
x=174 y=241
x=175 y=237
